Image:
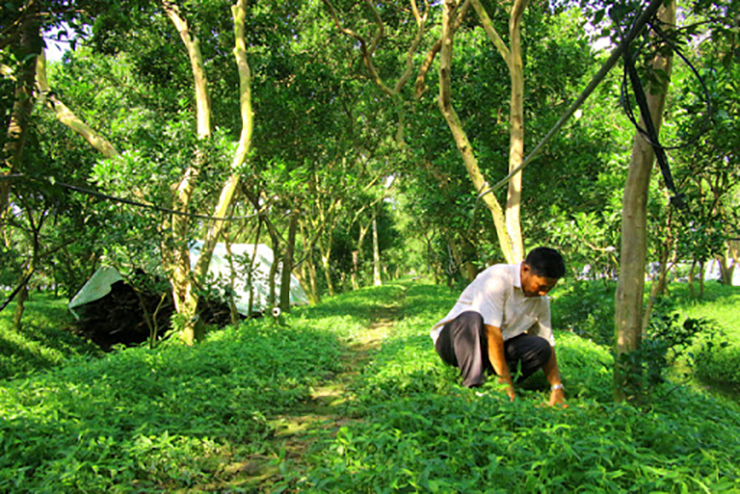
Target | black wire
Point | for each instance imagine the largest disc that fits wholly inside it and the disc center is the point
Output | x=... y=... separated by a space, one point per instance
x=624 y=98
x=650 y=133
x=130 y=202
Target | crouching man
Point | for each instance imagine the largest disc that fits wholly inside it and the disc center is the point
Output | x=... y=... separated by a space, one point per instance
x=501 y=323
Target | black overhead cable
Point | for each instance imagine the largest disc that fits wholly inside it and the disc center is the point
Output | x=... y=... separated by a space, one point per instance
x=130 y=202
x=706 y=99
x=641 y=21
x=650 y=133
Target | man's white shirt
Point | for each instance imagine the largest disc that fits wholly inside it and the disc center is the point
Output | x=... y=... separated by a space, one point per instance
x=497 y=295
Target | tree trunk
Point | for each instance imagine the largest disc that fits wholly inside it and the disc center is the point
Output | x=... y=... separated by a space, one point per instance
x=181 y=278
x=176 y=252
x=30 y=46
x=631 y=287
x=726 y=269
x=460 y=137
x=20 y=307
x=355 y=269
x=516 y=130
x=67 y=116
x=288 y=263
x=357 y=259
x=250 y=272
x=376 y=255
x=326 y=266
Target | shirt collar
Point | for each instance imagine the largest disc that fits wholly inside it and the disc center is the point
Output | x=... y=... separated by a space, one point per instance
x=517 y=275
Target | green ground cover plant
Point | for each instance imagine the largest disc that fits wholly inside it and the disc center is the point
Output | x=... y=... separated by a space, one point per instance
x=720 y=361
x=420 y=431
x=143 y=420
x=40 y=344
x=188 y=419
x=587 y=309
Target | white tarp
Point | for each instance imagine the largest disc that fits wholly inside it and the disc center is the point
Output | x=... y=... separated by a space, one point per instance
x=241 y=257
x=99 y=285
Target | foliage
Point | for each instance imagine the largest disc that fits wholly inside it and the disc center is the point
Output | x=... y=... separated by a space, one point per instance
x=585 y=308
x=419 y=431
x=666 y=341
x=142 y=420
x=190 y=418
x=41 y=344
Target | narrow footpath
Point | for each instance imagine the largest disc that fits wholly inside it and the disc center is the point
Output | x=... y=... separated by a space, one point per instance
x=320 y=417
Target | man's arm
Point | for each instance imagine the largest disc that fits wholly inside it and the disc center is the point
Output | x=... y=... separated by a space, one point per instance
x=557 y=396
x=498 y=359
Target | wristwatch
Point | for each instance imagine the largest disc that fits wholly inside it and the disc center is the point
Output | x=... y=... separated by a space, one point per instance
x=557 y=386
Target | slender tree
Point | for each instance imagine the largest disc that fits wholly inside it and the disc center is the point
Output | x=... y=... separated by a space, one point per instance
x=630 y=291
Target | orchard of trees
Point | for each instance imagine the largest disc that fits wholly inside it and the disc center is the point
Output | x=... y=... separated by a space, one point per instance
x=386 y=151
x=365 y=140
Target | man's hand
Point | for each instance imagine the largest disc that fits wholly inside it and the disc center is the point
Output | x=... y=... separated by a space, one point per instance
x=509 y=384
x=557 y=397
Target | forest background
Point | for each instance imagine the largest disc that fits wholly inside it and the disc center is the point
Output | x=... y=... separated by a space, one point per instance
x=363 y=141
x=321 y=129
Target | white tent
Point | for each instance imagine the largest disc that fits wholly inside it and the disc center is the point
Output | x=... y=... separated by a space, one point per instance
x=99 y=285
x=241 y=257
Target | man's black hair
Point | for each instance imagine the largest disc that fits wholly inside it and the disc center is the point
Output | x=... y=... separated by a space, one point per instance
x=546 y=262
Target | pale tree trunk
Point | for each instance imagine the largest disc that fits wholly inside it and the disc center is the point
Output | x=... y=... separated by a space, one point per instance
x=186 y=299
x=313 y=292
x=355 y=268
x=357 y=255
x=726 y=269
x=376 y=255
x=176 y=252
x=325 y=250
x=512 y=55
x=516 y=130
x=631 y=287
x=733 y=247
x=308 y=267
x=233 y=312
x=460 y=137
x=67 y=116
x=34 y=228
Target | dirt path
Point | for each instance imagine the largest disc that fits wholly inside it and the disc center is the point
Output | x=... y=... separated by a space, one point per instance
x=321 y=416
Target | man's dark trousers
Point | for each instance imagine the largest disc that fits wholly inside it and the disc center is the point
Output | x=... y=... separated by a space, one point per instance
x=462 y=343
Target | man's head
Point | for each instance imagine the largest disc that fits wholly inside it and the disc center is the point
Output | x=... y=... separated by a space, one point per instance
x=541 y=271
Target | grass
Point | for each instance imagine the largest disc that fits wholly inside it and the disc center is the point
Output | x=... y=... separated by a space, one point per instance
x=720 y=304
x=40 y=344
x=418 y=431
x=193 y=419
